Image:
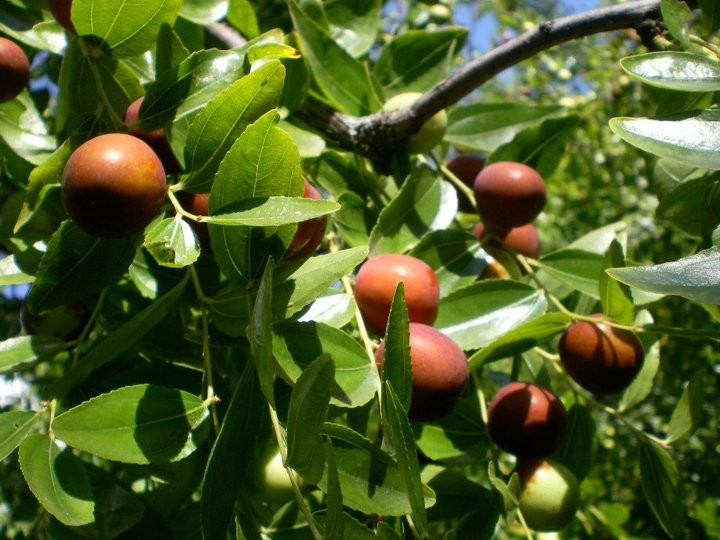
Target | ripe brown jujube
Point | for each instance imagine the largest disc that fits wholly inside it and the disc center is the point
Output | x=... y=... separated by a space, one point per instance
x=60 y=9
x=310 y=233
x=14 y=70
x=156 y=138
x=439 y=372
x=524 y=239
x=599 y=357
x=466 y=167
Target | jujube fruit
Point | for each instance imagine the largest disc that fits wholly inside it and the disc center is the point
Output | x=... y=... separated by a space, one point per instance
x=14 y=70
x=113 y=185
x=466 y=167
x=439 y=372
x=60 y=9
x=309 y=233
x=156 y=138
x=431 y=132
x=199 y=205
x=599 y=357
x=375 y=287
x=526 y=420
x=525 y=239
x=549 y=495
x=64 y=322
x=509 y=194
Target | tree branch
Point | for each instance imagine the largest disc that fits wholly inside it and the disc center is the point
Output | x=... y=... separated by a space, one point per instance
x=372 y=135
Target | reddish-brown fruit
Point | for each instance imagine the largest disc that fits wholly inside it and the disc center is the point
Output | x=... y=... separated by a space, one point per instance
x=600 y=358
x=375 y=287
x=14 y=70
x=63 y=322
x=310 y=233
x=198 y=204
x=156 y=139
x=526 y=420
x=439 y=372
x=466 y=167
x=525 y=239
x=60 y=9
x=113 y=185
x=509 y=194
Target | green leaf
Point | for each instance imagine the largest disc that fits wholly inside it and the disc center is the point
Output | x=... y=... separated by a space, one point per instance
x=263 y=162
x=173 y=243
x=23 y=351
x=344 y=81
x=416 y=60
x=396 y=368
x=219 y=124
x=229 y=309
x=462 y=434
x=643 y=383
x=232 y=454
x=692 y=203
x=676 y=16
x=520 y=339
x=242 y=16
x=24 y=130
x=260 y=335
x=615 y=297
x=424 y=203
x=675 y=70
x=483 y=127
x=15 y=426
x=692 y=138
x=579 y=269
x=170 y=51
x=399 y=433
x=58 y=480
x=688 y=412
x=577 y=449
x=140 y=424
x=370 y=479
x=204 y=11
x=711 y=14
x=273 y=211
x=662 y=487
x=77 y=264
x=123 y=27
x=309 y=403
x=477 y=315
x=335 y=518
x=297 y=344
x=119 y=341
x=540 y=146
x=11 y=274
x=354 y=25
x=456 y=257
x=696 y=277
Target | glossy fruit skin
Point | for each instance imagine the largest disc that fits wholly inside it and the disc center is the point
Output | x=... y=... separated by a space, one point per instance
x=509 y=194
x=60 y=9
x=310 y=233
x=63 y=322
x=375 y=287
x=113 y=185
x=525 y=239
x=549 y=496
x=430 y=134
x=600 y=358
x=466 y=167
x=199 y=205
x=439 y=372
x=14 y=70
x=156 y=139
x=526 y=420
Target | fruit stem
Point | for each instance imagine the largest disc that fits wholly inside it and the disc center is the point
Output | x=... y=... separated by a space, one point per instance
x=459 y=184
x=282 y=447
x=207 y=360
x=86 y=330
x=619 y=416
x=704 y=44
x=179 y=208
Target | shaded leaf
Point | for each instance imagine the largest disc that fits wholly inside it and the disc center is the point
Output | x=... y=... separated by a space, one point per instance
x=662 y=488
x=22 y=351
x=687 y=415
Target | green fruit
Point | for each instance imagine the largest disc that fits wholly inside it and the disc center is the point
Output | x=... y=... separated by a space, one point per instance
x=439 y=372
x=430 y=134
x=549 y=496
x=113 y=185
x=14 y=70
x=274 y=482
